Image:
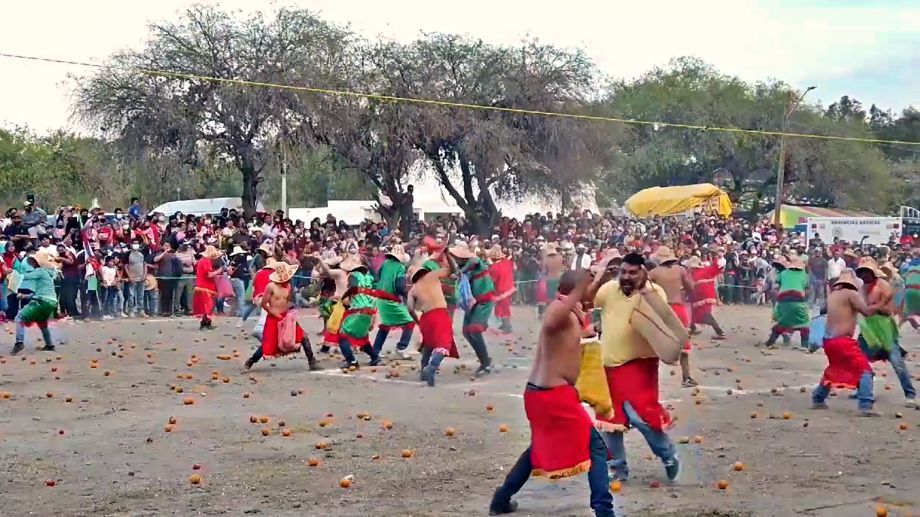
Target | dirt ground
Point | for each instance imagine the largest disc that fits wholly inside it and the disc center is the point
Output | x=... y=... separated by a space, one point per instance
x=107 y=451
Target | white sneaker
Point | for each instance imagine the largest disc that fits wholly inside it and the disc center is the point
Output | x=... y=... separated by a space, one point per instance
x=107 y=317
x=405 y=354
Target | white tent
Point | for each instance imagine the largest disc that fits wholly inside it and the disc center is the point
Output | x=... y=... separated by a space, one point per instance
x=203 y=206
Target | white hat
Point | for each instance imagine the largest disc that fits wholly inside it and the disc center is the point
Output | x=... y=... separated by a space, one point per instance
x=237 y=250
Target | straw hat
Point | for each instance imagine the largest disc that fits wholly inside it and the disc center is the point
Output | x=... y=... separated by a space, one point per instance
x=284 y=272
x=46 y=260
x=350 y=264
x=398 y=252
x=889 y=269
x=694 y=262
x=267 y=249
x=796 y=262
x=850 y=253
x=237 y=250
x=496 y=253
x=270 y=263
x=210 y=252
x=870 y=264
x=664 y=254
x=413 y=272
x=461 y=251
x=847 y=277
x=333 y=261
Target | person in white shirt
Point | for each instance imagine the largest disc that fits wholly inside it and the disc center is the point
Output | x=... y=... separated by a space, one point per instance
x=835 y=266
x=582 y=259
x=109 y=289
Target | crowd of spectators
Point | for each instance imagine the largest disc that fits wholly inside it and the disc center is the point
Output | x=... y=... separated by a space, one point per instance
x=133 y=263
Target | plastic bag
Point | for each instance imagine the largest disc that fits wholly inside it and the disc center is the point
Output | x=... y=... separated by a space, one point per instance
x=287 y=334
x=224 y=289
x=465 y=298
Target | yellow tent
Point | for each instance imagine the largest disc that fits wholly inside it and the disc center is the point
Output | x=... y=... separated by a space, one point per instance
x=657 y=201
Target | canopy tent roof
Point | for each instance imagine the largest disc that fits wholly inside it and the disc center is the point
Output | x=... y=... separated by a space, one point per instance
x=203 y=206
x=659 y=201
x=792 y=215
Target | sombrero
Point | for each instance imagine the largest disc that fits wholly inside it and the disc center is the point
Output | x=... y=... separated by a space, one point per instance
x=850 y=253
x=333 y=261
x=397 y=252
x=210 y=252
x=350 y=264
x=496 y=253
x=267 y=249
x=870 y=264
x=694 y=262
x=461 y=251
x=414 y=272
x=284 y=272
x=46 y=260
x=847 y=277
x=664 y=254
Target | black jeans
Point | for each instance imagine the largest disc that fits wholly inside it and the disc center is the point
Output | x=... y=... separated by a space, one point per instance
x=598 y=479
x=167 y=292
x=69 y=288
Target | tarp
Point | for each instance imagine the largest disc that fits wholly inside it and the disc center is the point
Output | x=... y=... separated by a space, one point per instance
x=203 y=206
x=792 y=215
x=658 y=201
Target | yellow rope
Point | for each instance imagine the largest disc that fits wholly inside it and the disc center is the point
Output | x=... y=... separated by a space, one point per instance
x=454 y=104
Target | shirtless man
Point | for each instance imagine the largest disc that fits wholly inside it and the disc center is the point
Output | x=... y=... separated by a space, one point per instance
x=427 y=295
x=878 y=334
x=329 y=268
x=276 y=302
x=676 y=282
x=564 y=441
x=847 y=365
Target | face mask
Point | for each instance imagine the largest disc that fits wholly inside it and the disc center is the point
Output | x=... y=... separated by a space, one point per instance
x=118 y=216
x=161 y=218
x=135 y=247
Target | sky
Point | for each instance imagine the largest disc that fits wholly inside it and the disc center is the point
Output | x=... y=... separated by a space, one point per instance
x=869 y=50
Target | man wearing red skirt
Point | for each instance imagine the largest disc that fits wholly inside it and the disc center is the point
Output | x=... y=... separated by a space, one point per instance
x=282 y=334
x=502 y=273
x=435 y=323
x=563 y=439
x=848 y=367
x=209 y=267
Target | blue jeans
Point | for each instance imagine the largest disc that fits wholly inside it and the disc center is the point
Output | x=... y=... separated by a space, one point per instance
x=152 y=301
x=863 y=392
x=401 y=345
x=598 y=478
x=135 y=297
x=896 y=358
x=248 y=309
x=239 y=292
x=658 y=441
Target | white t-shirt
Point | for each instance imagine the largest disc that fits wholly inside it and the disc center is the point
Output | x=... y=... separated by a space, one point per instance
x=49 y=249
x=835 y=266
x=108 y=275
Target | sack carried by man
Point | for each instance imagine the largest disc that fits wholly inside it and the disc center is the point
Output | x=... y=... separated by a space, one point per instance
x=287 y=334
x=654 y=319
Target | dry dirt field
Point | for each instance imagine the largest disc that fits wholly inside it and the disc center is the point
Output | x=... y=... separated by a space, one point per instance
x=99 y=435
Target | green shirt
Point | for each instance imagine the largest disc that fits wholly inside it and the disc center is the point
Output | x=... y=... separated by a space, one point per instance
x=41 y=282
x=480 y=282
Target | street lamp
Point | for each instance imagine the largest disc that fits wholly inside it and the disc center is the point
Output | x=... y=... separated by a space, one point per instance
x=781 y=166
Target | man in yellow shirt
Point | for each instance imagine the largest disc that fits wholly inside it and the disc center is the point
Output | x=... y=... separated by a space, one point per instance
x=631 y=365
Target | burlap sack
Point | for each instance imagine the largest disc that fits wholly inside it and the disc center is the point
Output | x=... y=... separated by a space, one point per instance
x=657 y=323
x=592 y=380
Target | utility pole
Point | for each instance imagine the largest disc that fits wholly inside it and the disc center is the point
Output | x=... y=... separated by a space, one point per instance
x=781 y=166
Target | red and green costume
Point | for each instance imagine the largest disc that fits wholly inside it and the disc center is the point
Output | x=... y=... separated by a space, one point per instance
x=476 y=319
x=359 y=316
x=393 y=314
x=911 y=309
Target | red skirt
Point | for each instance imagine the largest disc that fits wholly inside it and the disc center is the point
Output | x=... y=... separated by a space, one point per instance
x=683 y=315
x=636 y=382
x=702 y=309
x=203 y=302
x=438 y=332
x=560 y=432
x=503 y=308
x=270 y=335
x=846 y=362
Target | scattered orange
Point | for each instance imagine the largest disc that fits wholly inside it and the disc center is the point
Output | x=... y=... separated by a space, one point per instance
x=286 y=432
x=188 y=401
x=903 y=426
x=266 y=431
x=253 y=419
x=881 y=511
x=738 y=466
x=195 y=479
x=787 y=415
x=344 y=482
x=49 y=394
x=263 y=419
x=313 y=462
x=723 y=484
x=490 y=408
x=449 y=431
x=503 y=428
x=387 y=424
x=172 y=420
x=616 y=486
x=697 y=439
x=407 y=453
x=168 y=428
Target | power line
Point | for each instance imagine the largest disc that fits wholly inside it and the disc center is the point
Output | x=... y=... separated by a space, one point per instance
x=451 y=104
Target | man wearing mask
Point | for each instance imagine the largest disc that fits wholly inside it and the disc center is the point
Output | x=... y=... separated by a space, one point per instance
x=135 y=271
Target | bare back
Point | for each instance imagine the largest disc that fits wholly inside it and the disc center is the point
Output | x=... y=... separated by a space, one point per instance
x=427 y=293
x=673 y=278
x=558 y=358
x=842 y=307
x=554 y=266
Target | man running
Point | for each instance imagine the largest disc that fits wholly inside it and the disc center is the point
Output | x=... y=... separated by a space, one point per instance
x=391 y=290
x=563 y=440
x=276 y=302
x=790 y=314
x=674 y=279
x=847 y=366
x=435 y=324
x=631 y=365
x=878 y=334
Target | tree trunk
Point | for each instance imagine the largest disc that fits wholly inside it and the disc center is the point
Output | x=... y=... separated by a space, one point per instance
x=250 y=188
